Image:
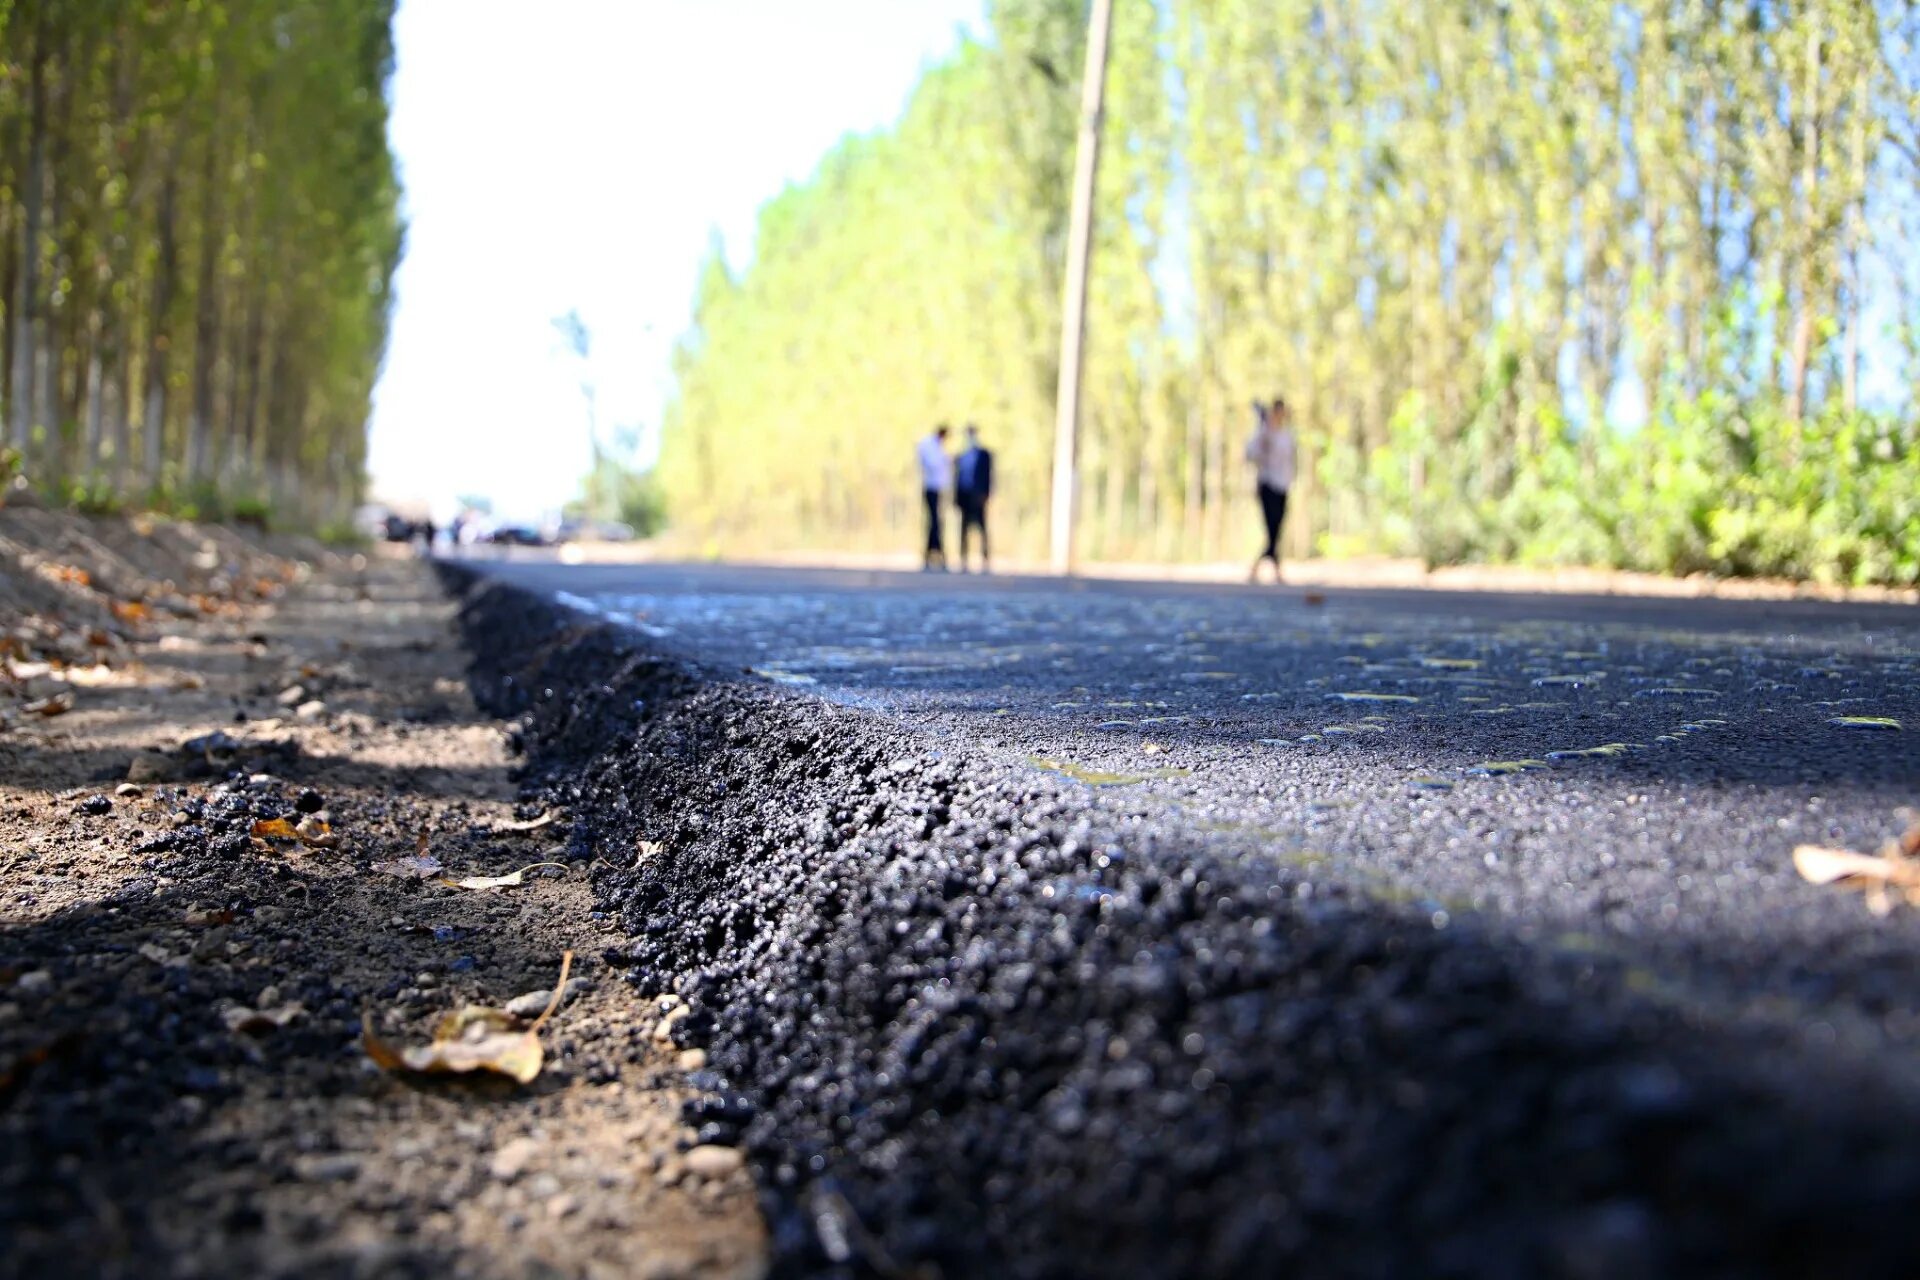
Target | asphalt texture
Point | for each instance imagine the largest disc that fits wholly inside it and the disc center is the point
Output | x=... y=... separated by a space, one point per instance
x=1047 y=928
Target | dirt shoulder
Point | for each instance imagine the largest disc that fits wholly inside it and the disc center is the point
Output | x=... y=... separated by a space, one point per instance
x=183 y=1089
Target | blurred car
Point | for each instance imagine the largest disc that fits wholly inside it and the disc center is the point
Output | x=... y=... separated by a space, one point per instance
x=515 y=535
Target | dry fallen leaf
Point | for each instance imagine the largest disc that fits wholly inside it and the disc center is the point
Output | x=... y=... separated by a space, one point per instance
x=310 y=832
x=129 y=610
x=1880 y=875
x=316 y=834
x=413 y=867
x=57 y=705
x=508 y=881
x=474 y=1039
x=531 y=824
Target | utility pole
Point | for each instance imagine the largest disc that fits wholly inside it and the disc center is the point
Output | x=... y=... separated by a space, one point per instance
x=1073 y=307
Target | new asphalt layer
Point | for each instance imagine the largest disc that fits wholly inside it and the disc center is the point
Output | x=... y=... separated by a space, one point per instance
x=1054 y=928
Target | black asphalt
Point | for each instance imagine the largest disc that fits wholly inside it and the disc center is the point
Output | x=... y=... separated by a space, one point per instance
x=1390 y=933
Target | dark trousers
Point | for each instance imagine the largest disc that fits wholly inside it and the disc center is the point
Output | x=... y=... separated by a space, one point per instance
x=1273 y=509
x=973 y=515
x=933 y=528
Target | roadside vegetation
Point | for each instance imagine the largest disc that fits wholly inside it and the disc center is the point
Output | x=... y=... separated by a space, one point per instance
x=1620 y=285
x=197 y=240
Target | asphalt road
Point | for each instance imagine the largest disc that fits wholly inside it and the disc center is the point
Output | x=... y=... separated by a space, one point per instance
x=1589 y=781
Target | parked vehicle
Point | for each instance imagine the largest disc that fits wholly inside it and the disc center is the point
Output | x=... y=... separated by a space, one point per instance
x=516 y=535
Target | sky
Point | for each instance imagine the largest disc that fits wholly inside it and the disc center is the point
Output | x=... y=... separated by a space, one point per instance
x=582 y=154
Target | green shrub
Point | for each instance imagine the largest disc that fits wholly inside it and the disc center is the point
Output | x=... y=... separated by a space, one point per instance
x=1710 y=485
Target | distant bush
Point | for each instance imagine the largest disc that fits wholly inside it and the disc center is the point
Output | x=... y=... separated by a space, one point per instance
x=342 y=534
x=1710 y=486
x=250 y=511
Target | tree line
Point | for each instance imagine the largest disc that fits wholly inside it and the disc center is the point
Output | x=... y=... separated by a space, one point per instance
x=197 y=242
x=1620 y=283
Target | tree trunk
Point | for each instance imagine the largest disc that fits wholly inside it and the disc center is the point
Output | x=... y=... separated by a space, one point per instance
x=206 y=327
x=153 y=418
x=26 y=293
x=1801 y=355
x=119 y=419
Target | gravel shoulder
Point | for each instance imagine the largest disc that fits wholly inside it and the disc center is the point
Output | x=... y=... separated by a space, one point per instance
x=182 y=1087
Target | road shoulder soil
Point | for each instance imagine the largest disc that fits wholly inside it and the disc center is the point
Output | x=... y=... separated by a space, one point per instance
x=183 y=1089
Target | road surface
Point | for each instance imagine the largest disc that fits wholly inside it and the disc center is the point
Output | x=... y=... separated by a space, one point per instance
x=1582 y=786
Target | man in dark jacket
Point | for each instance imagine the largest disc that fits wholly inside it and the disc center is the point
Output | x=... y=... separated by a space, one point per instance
x=972 y=486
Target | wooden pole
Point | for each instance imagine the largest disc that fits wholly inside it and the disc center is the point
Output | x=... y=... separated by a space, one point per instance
x=1073 y=309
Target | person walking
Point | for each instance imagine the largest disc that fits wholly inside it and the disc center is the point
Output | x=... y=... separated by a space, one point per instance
x=1271 y=451
x=972 y=486
x=936 y=477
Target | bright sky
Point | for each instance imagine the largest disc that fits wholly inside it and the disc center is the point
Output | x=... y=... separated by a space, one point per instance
x=581 y=154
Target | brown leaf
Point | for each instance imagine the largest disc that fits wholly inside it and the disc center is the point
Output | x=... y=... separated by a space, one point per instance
x=56 y=705
x=316 y=834
x=475 y=1039
x=273 y=829
x=310 y=832
x=511 y=880
x=129 y=610
x=1819 y=865
x=1882 y=876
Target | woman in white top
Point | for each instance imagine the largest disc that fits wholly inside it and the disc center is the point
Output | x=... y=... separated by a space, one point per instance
x=1271 y=453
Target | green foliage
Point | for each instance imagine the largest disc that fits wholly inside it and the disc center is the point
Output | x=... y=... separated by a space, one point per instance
x=613 y=491
x=257 y=512
x=201 y=224
x=1711 y=488
x=343 y=535
x=1452 y=234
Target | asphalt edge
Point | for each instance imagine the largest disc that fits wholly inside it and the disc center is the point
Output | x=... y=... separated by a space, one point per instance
x=604 y=718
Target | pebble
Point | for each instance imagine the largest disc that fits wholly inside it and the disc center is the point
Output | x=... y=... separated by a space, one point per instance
x=38 y=982
x=96 y=806
x=310 y=710
x=334 y=1168
x=562 y=1206
x=292 y=696
x=129 y=791
x=693 y=1059
x=711 y=1161
x=533 y=1003
x=512 y=1159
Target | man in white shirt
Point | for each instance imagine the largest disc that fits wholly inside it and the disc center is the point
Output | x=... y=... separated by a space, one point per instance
x=1271 y=451
x=936 y=477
